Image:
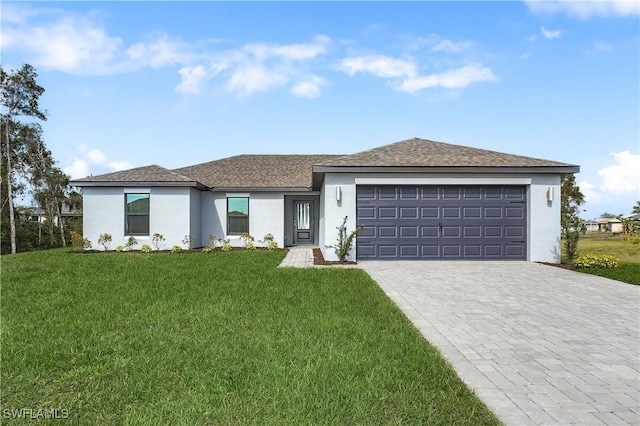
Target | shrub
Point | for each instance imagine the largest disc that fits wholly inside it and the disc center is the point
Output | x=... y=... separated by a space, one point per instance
x=131 y=243
x=157 y=240
x=208 y=249
x=212 y=241
x=146 y=248
x=246 y=239
x=176 y=249
x=189 y=241
x=571 y=238
x=250 y=245
x=271 y=242
x=105 y=240
x=593 y=261
x=226 y=245
x=78 y=243
x=119 y=249
x=635 y=240
x=345 y=242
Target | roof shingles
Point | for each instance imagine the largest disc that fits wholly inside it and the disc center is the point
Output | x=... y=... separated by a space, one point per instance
x=295 y=172
x=257 y=171
x=425 y=153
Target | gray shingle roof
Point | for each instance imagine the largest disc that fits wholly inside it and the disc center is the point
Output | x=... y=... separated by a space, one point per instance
x=257 y=171
x=296 y=171
x=152 y=173
x=425 y=153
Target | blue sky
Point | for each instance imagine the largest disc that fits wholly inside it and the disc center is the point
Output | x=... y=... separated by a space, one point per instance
x=178 y=83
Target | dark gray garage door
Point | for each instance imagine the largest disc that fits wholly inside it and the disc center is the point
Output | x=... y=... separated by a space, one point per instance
x=441 y=222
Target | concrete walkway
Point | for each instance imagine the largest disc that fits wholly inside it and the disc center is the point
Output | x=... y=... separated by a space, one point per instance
x=298 y=257
x=539 y=344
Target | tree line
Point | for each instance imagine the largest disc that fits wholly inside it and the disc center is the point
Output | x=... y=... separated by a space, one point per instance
x=28 y=168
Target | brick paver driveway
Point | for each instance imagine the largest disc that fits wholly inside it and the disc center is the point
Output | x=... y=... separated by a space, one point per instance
x=539 y=344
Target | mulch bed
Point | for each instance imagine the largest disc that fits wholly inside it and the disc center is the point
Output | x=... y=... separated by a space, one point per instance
x=318 y=259
x=569 y=266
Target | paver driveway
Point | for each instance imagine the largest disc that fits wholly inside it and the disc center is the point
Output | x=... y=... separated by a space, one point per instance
x=539 y=344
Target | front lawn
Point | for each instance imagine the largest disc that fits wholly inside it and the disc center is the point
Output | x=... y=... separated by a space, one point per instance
x=627 y=272
x=220 y=338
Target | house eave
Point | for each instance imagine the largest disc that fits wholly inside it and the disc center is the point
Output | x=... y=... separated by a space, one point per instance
x=259 y=189
x=128 y=184
x=453 y=170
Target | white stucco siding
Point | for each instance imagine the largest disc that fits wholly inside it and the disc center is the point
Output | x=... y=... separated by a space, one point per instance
x=195 y=221
x=266 y=215
x=104 y=211
x=335 y=211
x=169 y=215
x=543 y=217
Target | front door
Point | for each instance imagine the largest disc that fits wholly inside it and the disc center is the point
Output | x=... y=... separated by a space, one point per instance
x=303 y=222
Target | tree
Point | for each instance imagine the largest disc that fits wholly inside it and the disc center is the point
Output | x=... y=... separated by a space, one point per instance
x=607 y=215
x=50 y=185
x=570 y=200
x=19 y=96
x=636 y=208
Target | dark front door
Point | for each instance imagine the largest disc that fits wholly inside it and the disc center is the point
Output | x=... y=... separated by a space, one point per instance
x=303 y=222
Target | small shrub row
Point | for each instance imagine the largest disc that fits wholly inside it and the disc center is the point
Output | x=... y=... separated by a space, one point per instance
x=158 y=240
x=593 y=261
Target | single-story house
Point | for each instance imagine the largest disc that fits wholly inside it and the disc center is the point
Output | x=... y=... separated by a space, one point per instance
x=417 y=199
x=610 y=224
x=591 y=225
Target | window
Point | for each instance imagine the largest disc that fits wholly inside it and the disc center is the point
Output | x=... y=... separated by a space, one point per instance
x=237 y=215
x=136 y=214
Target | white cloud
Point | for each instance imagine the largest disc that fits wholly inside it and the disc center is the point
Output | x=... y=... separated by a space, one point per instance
x=260 y=67
x=309 y=88
x=591 y=194
x=79 y=44
x=451 y=79
x=586 y=9
x=119 y=165
x=160 y=52
x=249 y=78
x=192 y=78
x=96 y=156
x=601 y=46
x=81 y=165
x=451 y=47
x=550 y=34
x=78 y=169
x=378 y=65
x=623 y=177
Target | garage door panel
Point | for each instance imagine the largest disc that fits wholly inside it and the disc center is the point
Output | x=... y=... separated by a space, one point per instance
x=429 y=193
x=387 y=213
x=408 y=212
x=366 y=212
x=387 y=232
x=451 y=232
x=446 y=222
x=388 y=250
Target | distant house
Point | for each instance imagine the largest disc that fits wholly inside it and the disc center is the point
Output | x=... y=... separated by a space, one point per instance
x=610 y=224
x=416 y=199
x=39 y=215
x=591 y=226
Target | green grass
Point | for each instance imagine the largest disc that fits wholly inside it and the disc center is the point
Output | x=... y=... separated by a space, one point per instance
x=625 y=271
x=216 y=338
x=601 y=244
